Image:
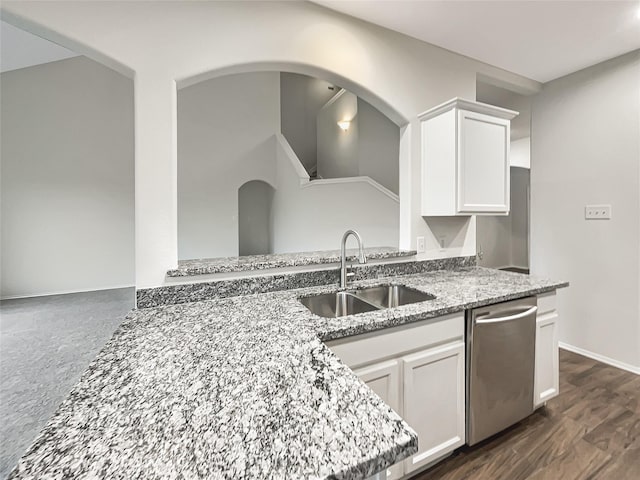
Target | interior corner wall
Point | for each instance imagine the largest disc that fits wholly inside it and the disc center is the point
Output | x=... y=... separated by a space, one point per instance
x=494 y=240
x=519 y=213
x=301 y=98
x=369 y=147
x=67 y=179
x=225 y=139
x=585 y=149
x=504 y=239
x=337 y=148
x=378 y=146
x=502 y=97
x=520 y=154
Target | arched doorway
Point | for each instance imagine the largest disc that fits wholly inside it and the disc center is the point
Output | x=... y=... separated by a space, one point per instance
x=254 y=218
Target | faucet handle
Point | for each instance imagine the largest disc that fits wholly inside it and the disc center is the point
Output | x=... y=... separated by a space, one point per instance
x=350 y=272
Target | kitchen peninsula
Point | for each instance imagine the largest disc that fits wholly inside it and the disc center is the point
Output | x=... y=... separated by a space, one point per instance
x=244 y=387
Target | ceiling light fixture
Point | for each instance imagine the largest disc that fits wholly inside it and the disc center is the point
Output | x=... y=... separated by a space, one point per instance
x=344 y=124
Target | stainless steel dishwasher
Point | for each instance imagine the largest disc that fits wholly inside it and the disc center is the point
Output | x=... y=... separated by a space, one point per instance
x=500 y=366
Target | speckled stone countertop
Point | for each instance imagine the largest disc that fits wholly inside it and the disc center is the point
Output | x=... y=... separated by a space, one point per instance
x=206 y=266
x=243 y=387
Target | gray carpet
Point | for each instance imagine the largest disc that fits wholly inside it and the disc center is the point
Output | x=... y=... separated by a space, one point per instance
x=46 y=343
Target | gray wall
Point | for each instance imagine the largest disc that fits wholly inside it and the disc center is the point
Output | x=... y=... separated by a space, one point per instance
x=521 y=124
x=504 y=240
x=585 y=149
x=370 y=147
x=225 y=139
x=520 y=178
x=67 y=179
x=337 y=148
x=301 y=98
x=493 y=234
x=378 y=146
x=315 y=216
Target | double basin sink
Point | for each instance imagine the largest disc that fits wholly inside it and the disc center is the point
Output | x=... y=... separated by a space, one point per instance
x=339 y=304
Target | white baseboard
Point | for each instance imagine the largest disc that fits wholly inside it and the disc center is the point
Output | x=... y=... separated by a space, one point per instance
x=65 y=292
x=600 y=358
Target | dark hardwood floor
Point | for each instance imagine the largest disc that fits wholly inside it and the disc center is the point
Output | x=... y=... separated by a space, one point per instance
x=590 y=431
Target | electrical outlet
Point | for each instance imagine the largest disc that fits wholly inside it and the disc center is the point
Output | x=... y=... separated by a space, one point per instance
x=420 y=245
x=597 y=212
x=441 y=242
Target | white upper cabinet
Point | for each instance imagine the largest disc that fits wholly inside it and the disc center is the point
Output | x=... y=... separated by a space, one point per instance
x=465 y=159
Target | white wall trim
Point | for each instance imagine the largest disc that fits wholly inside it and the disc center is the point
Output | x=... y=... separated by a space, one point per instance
x=600 y=358
x=333 y=99
x=404 y=186
x=305 y=181
x=363 y=179
x=293 y=158
x=67 y=292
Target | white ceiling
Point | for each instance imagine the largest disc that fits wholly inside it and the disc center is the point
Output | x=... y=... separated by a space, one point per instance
x=20 y=49
x=541 y=40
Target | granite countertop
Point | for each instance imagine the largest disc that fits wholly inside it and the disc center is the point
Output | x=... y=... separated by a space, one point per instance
x=204 y=266
x=243 y=387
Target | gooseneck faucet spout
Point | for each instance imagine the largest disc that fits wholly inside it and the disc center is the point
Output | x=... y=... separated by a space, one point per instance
x=343 y=256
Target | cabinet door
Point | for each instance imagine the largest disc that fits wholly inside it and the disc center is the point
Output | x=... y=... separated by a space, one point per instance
x=547 y=376
x=483 y=163
x=384 y=379
x=434 y=401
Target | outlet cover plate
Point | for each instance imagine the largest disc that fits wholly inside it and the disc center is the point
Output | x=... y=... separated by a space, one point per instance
x=597 y=212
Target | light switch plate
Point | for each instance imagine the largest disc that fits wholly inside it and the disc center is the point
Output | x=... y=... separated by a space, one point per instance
x=597 y=212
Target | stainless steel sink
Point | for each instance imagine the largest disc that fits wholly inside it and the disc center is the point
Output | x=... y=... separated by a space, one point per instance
x=337 y=304
x=389 y=296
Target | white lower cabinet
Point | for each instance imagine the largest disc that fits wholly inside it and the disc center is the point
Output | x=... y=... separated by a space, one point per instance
x=418 y=370
x=384 y=379
x=547 y=372
x=434 y=401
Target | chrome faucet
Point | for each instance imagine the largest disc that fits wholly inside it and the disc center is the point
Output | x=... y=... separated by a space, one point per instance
x=343 y=256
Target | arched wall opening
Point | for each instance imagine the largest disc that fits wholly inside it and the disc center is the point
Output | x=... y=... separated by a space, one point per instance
x=230 y=129
x=304 y=69
x=255 y=199
x=68 y=170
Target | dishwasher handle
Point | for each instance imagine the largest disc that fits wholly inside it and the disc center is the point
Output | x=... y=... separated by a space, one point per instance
x=508 y=318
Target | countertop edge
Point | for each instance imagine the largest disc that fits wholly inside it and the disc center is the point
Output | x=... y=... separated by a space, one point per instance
x=408 y=318
x=378 y=463
x=279 y=261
